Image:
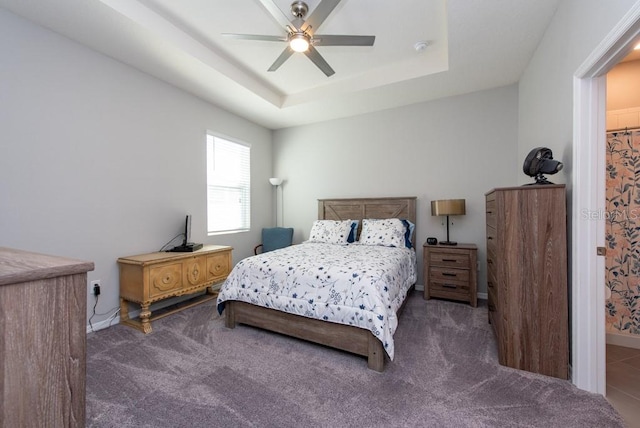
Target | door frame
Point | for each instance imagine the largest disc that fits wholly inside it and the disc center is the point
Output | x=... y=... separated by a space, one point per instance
x=588 y=333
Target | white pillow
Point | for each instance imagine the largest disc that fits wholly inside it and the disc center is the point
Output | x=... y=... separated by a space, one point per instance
x=387 y=232
x=330 y=231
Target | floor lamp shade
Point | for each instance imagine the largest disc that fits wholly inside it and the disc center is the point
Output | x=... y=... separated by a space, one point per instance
x=448 y=207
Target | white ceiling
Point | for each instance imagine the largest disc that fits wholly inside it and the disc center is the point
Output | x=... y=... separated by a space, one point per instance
x=473 y=45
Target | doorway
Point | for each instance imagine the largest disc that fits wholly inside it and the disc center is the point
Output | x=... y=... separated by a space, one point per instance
x=588 y=196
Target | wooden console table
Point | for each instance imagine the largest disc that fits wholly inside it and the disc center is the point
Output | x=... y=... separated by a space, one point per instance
x=149 y=278
x=43 y=317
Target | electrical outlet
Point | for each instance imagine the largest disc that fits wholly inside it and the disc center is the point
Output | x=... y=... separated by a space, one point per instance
x=95 y=287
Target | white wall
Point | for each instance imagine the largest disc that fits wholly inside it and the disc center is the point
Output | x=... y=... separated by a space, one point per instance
x=458 y=147
x=99 y=161
x=623 y=86
x=545 y=100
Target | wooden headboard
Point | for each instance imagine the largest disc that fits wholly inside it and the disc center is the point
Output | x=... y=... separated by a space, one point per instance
x=361 y=208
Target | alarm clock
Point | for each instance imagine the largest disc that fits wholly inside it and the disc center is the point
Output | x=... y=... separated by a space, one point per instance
x=432 y=241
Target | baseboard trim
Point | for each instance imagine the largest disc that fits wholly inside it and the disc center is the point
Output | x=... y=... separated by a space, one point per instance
x=100 y=325
x=135 y=313
x=626 y=340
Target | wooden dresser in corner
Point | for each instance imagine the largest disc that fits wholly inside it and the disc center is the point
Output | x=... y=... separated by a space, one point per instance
x=43 y=323
x=152 y=277
x=527 y=277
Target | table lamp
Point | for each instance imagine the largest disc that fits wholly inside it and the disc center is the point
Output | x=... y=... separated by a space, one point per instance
x=448 y=207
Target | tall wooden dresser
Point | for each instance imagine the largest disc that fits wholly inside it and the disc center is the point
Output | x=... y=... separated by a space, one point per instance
x=43 y=315
x=527 y=277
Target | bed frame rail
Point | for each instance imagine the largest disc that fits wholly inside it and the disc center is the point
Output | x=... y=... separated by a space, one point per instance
x=347 y=338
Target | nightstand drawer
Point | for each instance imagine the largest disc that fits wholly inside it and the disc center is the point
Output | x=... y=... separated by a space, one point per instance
x=459 y=287
x=460 y=261
x=450 y=291
x=444 y=274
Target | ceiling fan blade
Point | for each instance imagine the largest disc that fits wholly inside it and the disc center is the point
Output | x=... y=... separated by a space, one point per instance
x=319 y=14
x=275 y=12
x=254 y=37
x=281 y=59
x=317 y=59
x=333 y=40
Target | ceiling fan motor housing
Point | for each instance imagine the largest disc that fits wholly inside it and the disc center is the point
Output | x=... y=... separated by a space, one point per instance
x=299 y=9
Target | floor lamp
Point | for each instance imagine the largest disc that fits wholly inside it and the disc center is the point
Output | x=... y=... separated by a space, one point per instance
x=276 y=182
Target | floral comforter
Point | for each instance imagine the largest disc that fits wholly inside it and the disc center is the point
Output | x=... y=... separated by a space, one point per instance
x=359 y=285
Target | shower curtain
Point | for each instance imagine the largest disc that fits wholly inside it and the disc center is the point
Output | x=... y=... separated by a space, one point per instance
x=622 y=218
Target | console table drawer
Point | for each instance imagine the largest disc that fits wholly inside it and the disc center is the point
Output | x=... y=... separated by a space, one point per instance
x=195 y=271
x=165 y=279
x=218 y=266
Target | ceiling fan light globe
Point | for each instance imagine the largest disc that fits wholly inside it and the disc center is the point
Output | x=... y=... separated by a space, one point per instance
x=299 y=43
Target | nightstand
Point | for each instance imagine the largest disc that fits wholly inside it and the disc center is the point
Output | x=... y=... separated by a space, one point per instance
x=450 y=272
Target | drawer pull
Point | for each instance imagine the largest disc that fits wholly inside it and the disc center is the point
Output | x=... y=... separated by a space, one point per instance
x=490 y=261
x=449 y=260
x=489 y=212
x=449 y=274
x=489 y=238
x=490 y=284
x=449 y=286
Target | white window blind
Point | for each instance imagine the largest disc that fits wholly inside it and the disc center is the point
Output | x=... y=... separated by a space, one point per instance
x=228 y=185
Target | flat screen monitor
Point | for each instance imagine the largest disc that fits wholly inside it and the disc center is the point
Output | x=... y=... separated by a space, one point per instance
x=186 y=246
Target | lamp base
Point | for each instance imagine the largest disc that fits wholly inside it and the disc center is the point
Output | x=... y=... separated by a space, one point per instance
x=448 y=243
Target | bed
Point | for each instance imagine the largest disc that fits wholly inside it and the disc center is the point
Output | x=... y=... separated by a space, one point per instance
x=266 y=291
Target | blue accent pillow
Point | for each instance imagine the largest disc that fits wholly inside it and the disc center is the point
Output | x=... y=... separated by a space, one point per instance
x=354 y=231
x=408 y=234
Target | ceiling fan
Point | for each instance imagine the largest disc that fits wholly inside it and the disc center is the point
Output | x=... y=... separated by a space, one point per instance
x=301 y=34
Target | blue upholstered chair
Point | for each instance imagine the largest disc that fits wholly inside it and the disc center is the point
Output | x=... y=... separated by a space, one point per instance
x=274 y=238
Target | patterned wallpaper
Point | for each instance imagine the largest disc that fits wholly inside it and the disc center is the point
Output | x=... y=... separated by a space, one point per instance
x=623 y=231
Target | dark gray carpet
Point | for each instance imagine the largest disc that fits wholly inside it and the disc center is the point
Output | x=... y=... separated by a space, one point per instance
x=193 y=372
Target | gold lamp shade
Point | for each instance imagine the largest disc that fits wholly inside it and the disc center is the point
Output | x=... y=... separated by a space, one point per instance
x=448 y=207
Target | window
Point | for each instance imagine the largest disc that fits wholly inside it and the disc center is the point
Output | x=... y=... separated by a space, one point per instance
x=228 y=185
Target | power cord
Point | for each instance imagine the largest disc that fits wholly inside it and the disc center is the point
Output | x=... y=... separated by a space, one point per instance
x=94 y=312
x=115 y=311
x=164 y=247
